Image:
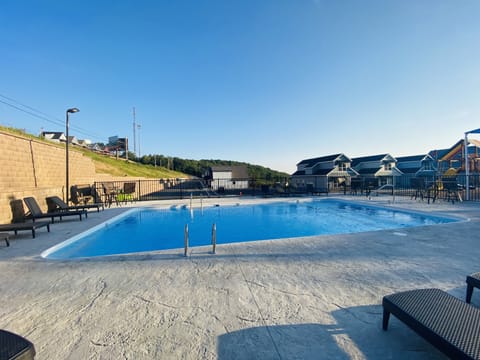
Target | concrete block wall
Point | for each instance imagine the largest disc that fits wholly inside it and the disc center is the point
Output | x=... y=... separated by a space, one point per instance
x=33 y=168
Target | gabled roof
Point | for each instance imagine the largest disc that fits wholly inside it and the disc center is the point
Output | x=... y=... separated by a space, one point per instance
x=298 y=173
x=380 y=157
x=322 y=172
x=57 y=135
x=366 y=171
x=72 y=140
x=411 y=158
x=313 y=161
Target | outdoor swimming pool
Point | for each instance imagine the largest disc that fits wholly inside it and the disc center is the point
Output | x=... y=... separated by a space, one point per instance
x=150 y=229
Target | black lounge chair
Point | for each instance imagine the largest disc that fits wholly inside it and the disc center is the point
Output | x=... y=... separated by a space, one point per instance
x=4 y=236
x=24 y=226
x=473 y=281
x=54 y=203
x=449 y=324
x=37 y=213
x=13 y=346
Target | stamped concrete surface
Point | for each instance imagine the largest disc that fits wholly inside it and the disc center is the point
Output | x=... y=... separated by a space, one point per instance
x=305 y=298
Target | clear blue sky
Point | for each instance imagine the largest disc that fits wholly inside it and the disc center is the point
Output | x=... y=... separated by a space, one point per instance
x=270 y=82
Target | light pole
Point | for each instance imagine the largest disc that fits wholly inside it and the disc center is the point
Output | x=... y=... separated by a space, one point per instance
x=69 y=111
x=467 y=164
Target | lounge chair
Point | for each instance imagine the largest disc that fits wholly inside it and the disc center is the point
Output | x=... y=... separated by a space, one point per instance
x=13 y=346
x=473 y=281
x=4 y=236
x=448 y=323
x=37 y=213
x=19 y=223
x=24 y=226
x=54 y=203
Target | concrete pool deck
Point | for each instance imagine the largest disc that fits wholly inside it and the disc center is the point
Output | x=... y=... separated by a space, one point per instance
x=303 y=298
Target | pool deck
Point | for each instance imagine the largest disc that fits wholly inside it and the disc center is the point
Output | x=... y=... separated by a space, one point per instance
x=304 y=298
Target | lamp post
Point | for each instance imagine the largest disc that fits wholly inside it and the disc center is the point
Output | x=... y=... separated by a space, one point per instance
x=69 y=111
x=467 y=164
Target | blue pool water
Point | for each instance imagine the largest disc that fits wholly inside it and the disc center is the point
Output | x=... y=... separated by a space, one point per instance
x=149 y=229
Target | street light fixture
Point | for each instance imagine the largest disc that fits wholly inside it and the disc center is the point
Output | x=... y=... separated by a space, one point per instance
x=69 y=111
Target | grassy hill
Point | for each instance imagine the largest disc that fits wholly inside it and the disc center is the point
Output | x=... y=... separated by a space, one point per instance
x=121 y=167
x=143 y=167
x=105 y=164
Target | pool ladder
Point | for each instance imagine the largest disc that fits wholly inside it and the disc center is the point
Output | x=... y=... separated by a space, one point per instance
x=214 y=239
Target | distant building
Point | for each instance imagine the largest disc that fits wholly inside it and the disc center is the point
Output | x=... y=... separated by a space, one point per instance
x=417 y=165
x=117 y=144
x=227 y=177
x=73 y=140
x=380 y=168
x=323 y=174
x=53 y=136
x=84 y=143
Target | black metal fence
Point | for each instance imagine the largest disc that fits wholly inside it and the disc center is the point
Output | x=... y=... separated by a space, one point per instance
x=408 y=186
x=158 y=189
x=451 y=188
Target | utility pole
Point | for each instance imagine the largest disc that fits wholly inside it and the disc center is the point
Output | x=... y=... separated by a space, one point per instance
x=138 y=127
x=134 y=136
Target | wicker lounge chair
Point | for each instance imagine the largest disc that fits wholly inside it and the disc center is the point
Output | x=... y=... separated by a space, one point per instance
x=448 y=323
x=473 y=281
x=37 y=213
x=54 y=203
x=13 y=346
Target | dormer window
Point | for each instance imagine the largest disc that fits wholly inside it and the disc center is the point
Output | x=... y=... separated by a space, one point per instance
x=342 y=166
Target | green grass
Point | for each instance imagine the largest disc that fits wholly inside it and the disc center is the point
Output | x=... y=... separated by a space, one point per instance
x=106 y=164
x=121 y=167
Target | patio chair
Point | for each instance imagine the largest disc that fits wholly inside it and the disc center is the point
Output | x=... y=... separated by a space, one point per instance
x=37 y=213
x=19 y=223
x=110 y=192
x=418 y=185
x=81 y=194
x=448 y=323
x=473 y=281
x=13 y=346
x=54 y=203
x=128 y=192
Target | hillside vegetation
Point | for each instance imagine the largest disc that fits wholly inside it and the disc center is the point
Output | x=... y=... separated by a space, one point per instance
x=199 y=167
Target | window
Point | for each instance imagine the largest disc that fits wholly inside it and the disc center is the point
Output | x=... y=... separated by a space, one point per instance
x=342 y=166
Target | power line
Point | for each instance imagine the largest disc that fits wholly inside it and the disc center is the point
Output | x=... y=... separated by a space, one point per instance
x=44 y=116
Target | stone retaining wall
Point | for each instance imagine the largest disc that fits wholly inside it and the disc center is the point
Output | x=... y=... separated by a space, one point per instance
x=34 y=168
